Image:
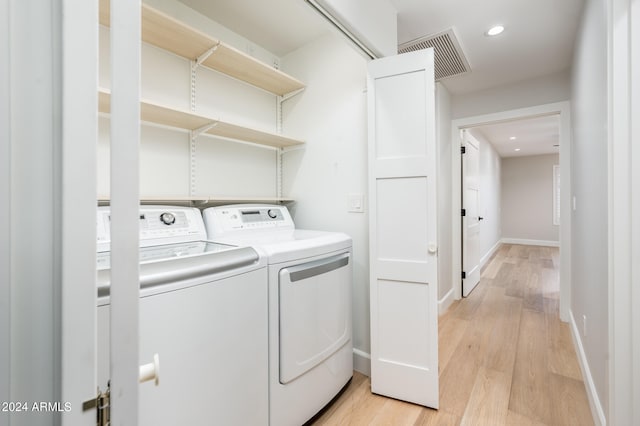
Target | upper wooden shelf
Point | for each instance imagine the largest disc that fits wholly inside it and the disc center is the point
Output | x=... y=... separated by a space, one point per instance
x=158 y=114
x=167 y=33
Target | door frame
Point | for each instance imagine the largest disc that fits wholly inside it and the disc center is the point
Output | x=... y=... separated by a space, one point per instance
x=623 y=39
x=464 y=220
x=5 y=209
x=563 y=109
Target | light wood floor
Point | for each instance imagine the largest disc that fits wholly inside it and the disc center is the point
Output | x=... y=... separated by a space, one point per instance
x=505 y=357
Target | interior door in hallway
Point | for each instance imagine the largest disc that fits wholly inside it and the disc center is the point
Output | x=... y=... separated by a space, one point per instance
x=402 y=225
x=470 y=213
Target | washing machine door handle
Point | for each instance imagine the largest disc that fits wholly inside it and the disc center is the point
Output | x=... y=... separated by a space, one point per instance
x=317 y=267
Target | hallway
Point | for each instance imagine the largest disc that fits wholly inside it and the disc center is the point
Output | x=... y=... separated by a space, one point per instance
x=505 y=356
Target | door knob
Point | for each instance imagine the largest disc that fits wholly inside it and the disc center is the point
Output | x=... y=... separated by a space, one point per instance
x=150 y=371
x=433 y=248
x=480 y=218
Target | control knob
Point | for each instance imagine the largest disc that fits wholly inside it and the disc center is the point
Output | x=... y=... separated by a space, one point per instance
x=272 y=213
x=168 y=218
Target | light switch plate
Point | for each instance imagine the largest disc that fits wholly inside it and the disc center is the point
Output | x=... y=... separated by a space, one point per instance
x=355 y=203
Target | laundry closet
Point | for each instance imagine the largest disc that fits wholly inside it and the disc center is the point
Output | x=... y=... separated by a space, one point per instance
x=216 y=129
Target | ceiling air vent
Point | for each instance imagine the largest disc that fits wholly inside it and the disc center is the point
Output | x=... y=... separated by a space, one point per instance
x=449 y=58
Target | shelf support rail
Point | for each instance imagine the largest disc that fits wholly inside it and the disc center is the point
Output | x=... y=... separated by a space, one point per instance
x=192 y=163
x=193 y=136
x=280 y=99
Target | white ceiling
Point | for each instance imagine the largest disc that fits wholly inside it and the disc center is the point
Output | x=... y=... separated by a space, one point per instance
x=533 y=136
x=538 y=40
x=280 y=26
x=538 y=37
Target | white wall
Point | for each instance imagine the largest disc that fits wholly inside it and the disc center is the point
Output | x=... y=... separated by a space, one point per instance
x=489 y=202
x=30 y=195
x=589 y=293
x=331 y=115
x=527 y=199
x=538 y=91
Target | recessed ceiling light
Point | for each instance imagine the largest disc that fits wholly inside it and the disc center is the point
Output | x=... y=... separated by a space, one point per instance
x=517 y=149
x=512 y=138
x=495 y=30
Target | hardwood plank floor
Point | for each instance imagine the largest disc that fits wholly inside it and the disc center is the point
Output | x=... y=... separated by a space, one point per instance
x=505 y=357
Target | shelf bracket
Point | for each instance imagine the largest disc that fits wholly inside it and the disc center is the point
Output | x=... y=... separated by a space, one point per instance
x=200 y=59
x=200 y=130
x=292 y=148
x=290 y=95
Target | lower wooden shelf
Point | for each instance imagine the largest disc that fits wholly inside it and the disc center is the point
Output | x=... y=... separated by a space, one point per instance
x=200 y=200
x=159 y=114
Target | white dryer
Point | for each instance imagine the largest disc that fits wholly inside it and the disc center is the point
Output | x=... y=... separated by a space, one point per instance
x=203 y=310
x=310 y=276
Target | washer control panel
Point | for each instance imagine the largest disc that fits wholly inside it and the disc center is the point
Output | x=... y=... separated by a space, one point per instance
x=244 y=217
x=157 y=224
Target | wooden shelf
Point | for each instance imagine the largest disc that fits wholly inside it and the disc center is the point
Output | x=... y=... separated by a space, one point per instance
x=203 y=200
x=158 y=114
x=167 y=33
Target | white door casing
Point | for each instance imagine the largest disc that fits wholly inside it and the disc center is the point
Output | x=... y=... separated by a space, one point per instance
x=125 y=140
x=471 y=218
x=403 y=227
x=78 y=230
x=561 y=108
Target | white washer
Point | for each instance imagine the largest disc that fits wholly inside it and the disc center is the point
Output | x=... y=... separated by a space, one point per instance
x=310 y=275
x=203 y=310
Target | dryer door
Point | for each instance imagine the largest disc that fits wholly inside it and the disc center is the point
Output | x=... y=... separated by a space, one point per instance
x=315 y=313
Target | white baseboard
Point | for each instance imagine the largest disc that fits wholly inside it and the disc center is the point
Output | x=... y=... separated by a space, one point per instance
x=362 y=362
x=488 y=255
x=594 y=402
x=530 y=242
x=446 y=301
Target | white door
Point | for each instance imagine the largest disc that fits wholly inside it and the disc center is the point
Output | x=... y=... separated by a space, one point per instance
x=78 y=233
x=471 y=214
x=124 y=144
x=402 y=227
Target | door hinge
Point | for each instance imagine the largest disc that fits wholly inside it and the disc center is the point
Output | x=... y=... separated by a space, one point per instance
x=102 y=404
x=463 y=150
x=464 y=275
x=463 y=212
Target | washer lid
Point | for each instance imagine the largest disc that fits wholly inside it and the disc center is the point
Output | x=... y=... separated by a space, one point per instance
x=167 y=252
x=172 y=271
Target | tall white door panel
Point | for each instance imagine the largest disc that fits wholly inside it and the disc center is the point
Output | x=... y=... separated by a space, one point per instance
x=125 y=141
x=403 y=237
x=471 y=219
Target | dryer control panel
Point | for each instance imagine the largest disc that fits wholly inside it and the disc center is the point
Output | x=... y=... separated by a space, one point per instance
x=224 y=220
x=158 y=225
